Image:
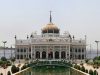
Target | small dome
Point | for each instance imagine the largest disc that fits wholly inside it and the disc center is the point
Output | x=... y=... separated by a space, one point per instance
x=50 y=28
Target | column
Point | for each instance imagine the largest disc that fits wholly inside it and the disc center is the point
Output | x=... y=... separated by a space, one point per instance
x=69 y=52
x=23 y=53
x=47 y=53
x=60 y=53
x=19 y=52
x=34 y=53
x=81 y=53
x=31 y=52
x=53 y=53
x=40 y=54
x=66 y=52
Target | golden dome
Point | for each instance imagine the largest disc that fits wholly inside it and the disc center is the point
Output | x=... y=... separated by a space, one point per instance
x=50 y=28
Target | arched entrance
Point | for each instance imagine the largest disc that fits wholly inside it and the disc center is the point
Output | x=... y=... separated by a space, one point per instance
x=56 y=55
x=37 y=54
x=50 y=55
x=43 y=55
x=63 y=55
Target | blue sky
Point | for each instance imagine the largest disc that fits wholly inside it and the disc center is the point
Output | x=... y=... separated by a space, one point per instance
x=22 y=17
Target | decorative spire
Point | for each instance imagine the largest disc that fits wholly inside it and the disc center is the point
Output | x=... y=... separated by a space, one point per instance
x=50 y=17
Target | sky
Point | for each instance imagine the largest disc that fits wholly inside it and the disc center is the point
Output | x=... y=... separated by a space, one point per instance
x=22 y=17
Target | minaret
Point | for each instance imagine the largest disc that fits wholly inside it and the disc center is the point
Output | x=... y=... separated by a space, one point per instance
x=50 y=17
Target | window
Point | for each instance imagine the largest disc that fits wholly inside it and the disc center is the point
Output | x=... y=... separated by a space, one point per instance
x=82 y=50
x=24 y=50
x=17 y=50
x=70 y=49
x=75 y=50
x=79 y=50
x=29 y=49
x=21 y=50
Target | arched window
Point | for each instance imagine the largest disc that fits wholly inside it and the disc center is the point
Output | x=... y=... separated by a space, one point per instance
x=17 y=50
x=30 y=56
x=24 y=49
x=76 y=50
x=79 y=50
x=56 y=55
x=21 y=50
x=70 y=49
x=83 y=50
x=63 y=55
x=79 y=56
x=17 y=56
x=82 y=56
x=43 y=55
x=21 y=56
x=37 y=54
x=50 y=55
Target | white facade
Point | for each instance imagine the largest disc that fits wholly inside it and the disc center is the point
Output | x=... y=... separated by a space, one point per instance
x=50 y=45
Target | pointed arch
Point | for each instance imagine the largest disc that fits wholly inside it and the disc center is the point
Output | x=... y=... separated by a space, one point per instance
x=43 y=55
x=37 y=54
x=56 y=55
x=63 y=54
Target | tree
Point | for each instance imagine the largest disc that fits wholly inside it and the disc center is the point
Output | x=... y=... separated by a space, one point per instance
x=14 y=69
x=24 y=66
x=91 y=72
x=3 y=59
x=86 y=60
x=9 y=73
x=13 y=59
x=1 y=73
x=83 y=68
x=86 y=71
x=95 y=72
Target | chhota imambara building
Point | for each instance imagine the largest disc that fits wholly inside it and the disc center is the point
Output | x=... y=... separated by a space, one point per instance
x=50 y=45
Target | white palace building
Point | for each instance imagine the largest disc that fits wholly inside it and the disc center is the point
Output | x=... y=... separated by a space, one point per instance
x=50 y=45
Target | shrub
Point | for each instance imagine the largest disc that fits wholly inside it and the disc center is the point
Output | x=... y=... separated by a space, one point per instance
x=13 y=59
x=1 y=73
x=14 y=69
x=75 y=66
x=8 y=63
x=95 y=72
x=86 y=71
x=91 y=72
x=83 y=68
x=86 y=60
x=23 y=67
x=17 y=69
x=3 y=59
x=9 y=73
x=78 y=67
x=1 y=62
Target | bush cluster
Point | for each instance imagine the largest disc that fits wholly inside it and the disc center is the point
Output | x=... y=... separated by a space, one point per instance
x=1 y=73
x=77 y=67
x=14 y=69
x=24 y=67
x=83 y=68
x=4 y=62
x=9 y=73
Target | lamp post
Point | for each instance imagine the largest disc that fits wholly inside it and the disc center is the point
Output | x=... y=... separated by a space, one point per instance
x=4 y=42
x=97 y=46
